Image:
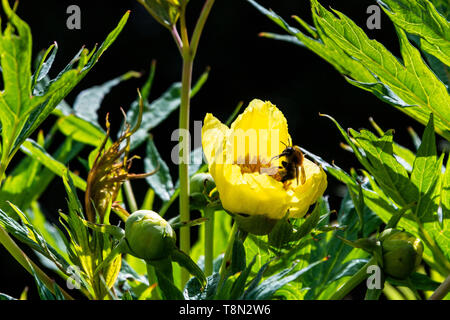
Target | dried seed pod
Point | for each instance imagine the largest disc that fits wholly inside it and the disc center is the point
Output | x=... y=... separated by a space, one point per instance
x=109 y=171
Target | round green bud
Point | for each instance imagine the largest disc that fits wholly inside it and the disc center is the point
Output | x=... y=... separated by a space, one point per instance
x=202 y=183
x=149 y=236
x=402 y=253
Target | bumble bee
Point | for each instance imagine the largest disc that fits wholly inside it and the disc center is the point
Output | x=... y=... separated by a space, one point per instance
x=294 y=160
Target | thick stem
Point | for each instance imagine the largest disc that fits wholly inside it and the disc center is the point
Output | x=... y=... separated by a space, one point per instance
x=209 y=241
x=185 y=244
x=356 y=279
x=442 y=290
x=26 y=263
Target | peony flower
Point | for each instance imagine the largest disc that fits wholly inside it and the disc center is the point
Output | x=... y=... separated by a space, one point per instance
x=242 y=160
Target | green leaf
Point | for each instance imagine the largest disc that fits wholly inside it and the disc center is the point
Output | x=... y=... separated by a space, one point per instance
x=268 y=287
x=195 y=291
x=158 y=110
x=426 y=173
x=186 y=262
x=81 y=130
x=161 y=181
x=22 y=112
x=32 y=149
x=5 y=297
x=421 y=18
x=44 y=292
x=309 y=224
x=28 y=234
x=387 y=171
x=45 y=65
x=409 y=85
x=89 y=101
x=29 y=179
x=165 y=12
x=418 y=280
x=341 y=260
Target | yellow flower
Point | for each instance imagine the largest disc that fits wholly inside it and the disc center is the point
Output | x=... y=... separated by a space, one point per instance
x=241 y=161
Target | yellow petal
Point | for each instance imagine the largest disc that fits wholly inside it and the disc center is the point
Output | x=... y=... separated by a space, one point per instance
x=302 y=196
x=249 y=193
x=263 y=128
x=213 y=137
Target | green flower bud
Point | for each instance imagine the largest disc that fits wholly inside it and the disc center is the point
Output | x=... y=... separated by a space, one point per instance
x=201 y=184
x=149 y=236
x=402 y=253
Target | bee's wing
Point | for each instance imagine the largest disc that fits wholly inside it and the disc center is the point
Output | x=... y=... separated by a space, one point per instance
x=303 y=178
x=296 y=173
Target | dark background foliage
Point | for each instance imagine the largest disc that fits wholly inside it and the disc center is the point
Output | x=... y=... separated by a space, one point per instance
x=243 y=66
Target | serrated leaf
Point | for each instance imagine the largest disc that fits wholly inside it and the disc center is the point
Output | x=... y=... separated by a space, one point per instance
x=421 y=18
x=268 y=287
x=388 y=172
x=21 y=111
x=409 y=85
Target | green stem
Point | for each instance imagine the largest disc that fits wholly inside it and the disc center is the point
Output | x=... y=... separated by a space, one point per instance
x=356 y=279
x=26 y=263
x=209 y=241
x=151 y=275
x=226 y=262
x=187 y=53
x=130 y=196
x=442 y=290
x=185 y=244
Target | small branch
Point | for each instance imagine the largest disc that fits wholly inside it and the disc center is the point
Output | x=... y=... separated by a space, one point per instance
x=200 y=25
x=442 y=290
x=130 y=196
x=176 y=37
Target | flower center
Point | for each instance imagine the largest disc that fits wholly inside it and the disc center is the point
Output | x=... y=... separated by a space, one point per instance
x=255 y=164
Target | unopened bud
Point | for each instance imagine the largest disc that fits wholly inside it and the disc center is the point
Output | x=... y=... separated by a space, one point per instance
x=402 y=253
x=149 y=236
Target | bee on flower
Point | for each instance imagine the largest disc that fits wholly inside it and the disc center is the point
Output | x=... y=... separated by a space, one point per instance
x=250 y=161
